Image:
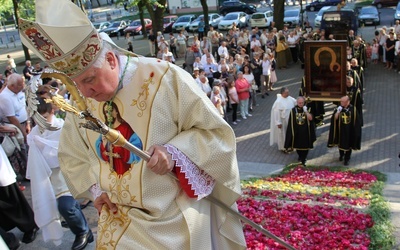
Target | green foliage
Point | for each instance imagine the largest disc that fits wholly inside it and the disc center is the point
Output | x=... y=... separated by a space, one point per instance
x=6 y=7
x=382 y=232
x=26 y=8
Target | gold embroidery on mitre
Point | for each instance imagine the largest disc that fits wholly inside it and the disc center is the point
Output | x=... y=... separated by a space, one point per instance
x=71 y=63
x=39 y=39
x=85 y=54
x=141 y=101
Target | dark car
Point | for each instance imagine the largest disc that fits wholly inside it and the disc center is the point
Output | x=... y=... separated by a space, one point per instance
x=235 y=6
x=383 y=3
x=135 y=28
x=317 y=5
x=338 y=23
x=369 y=15
x=115 y=29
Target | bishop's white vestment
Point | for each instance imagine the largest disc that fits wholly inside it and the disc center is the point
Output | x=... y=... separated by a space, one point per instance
x=163 y=105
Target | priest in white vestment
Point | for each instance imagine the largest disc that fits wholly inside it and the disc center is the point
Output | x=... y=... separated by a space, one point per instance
x=280 y=117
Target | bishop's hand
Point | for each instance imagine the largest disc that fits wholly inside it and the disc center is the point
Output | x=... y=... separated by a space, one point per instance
x=339 y=109
x=160 y=161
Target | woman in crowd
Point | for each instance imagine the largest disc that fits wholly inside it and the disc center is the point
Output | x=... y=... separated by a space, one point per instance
x=389 y=47
x=181 y=39
x=233 y=99
x=243 y=89
x=248 y=75
x=281 y=53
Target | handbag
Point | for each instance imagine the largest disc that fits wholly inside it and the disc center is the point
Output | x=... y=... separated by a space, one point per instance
x=9 y=145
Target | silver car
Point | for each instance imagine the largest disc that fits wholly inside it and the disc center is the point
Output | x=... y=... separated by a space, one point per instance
x=262 y=19
x=213 y=20
x=239 y=18
x=183 y=22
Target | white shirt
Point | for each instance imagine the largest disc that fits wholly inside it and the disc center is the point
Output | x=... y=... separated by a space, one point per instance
x=266 y=67
x=204 y=58
x=291 y=40
x=249 y=77
x=12 y=104
x=255 y=43
x=7 y=174
x=223 y=51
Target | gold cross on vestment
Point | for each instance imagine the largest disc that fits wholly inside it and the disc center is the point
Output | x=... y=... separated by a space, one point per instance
x=345 y=118
x=113 y=155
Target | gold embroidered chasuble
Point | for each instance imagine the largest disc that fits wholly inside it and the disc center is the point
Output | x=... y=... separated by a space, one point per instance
x=162 y=105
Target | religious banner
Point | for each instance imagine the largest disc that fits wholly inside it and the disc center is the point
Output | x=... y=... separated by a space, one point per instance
x=325 y=70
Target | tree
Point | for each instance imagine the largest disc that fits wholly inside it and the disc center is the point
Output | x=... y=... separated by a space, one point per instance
x=16 y=15
x=141 y=16
x=156 y=11
x=279 y=9
x=205 y=12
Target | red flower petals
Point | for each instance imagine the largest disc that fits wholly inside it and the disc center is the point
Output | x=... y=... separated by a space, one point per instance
x=315 y=225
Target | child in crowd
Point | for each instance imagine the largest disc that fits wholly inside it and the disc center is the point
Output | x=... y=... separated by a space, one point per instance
x=217 y=100
x=368 y=52
x=273 y=78
x=375 y=51
x=233 y=99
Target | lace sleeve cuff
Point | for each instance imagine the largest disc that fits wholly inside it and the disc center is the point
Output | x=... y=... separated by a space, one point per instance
x=195 y=181
x=95 y=190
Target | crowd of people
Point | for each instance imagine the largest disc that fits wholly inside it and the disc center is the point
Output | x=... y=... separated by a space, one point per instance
x=231 y=70
x=236 y=68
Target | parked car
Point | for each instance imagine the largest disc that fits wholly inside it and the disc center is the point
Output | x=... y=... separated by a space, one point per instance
x=339 y=23
x=235 y=6
x=213 y=20
x=369 y=15
x=397 y=13
x=318 y=4
x=292 y=17
x=116 y=28
x=318 y=16
x=102 y=25
x=239 y=18
x=384 y=3
x=262 y=19
x=135 y=27
x=168 y=21
x=183 y=22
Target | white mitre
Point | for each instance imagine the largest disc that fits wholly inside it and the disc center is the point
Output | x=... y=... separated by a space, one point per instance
x=62 y=36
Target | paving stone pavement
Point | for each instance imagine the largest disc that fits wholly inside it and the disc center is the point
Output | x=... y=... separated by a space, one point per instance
x=380 y=141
